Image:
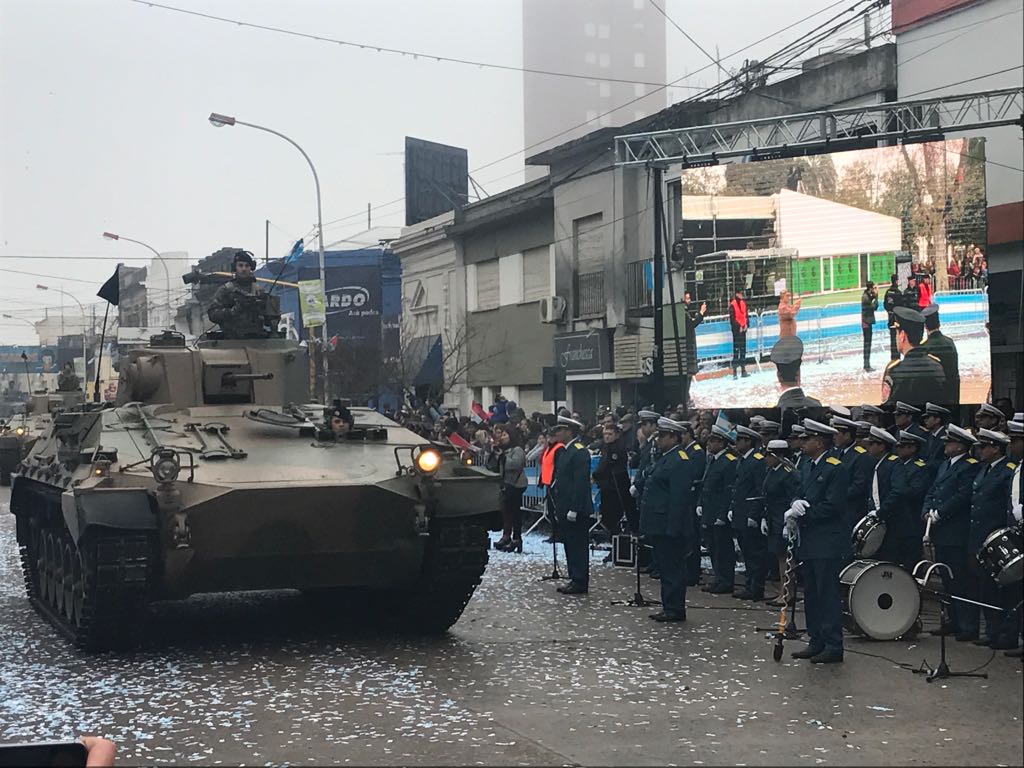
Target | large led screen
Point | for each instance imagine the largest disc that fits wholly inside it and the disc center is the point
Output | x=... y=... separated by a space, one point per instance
x=818 y=271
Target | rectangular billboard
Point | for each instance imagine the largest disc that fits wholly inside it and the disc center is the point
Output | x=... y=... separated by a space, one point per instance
x=831 y=250
x=436 y=179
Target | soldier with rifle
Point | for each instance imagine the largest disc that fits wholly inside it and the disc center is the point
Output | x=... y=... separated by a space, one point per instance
x=241 y=308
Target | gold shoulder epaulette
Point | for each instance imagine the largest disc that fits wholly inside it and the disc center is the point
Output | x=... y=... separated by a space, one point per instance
x=758 y=456
x=920 y=463
x=892 y=457
x=578 y=445
x=860 y=449
x=730 y=457
x=682 y=455
x=696 y=447
x=933 y=357
x=1011 y=465
x=833 y=461
x=971 y=461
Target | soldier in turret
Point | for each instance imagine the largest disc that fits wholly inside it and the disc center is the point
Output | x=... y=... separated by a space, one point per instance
x=67 y=379
x=241 y=308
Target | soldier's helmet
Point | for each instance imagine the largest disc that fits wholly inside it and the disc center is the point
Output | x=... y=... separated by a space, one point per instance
x=245 y=257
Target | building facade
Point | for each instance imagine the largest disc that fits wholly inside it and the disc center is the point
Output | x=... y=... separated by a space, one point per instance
x=623 y=40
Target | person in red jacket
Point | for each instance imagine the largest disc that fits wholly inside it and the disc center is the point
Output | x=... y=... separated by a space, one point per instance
x=924 y=290
x=739 y=324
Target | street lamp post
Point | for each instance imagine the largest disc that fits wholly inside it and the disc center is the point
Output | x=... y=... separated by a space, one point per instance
x=167 y=271
x=219 y=121
x=85 y=358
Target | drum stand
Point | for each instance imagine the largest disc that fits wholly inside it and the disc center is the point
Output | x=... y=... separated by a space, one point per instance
x=638 y=600
x=941 y=672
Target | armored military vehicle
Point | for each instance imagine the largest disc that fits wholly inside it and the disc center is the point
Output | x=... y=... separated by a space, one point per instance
x=209 y=475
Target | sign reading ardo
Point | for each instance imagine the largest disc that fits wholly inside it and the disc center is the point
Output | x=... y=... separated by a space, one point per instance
x=584 y=351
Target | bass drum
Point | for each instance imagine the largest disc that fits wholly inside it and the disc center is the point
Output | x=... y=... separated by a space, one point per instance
x=880 y=600
x=1002 y=555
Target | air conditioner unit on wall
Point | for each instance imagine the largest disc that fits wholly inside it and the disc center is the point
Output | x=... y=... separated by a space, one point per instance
x=552 y=309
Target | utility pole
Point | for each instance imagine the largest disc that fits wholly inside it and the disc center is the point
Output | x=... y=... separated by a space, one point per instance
x=658 y=373
x=266 y=243
x=369 y=220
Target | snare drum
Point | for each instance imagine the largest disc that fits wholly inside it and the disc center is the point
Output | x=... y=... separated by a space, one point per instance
x=1002 y=555
x=868 y=535
x=881 y=600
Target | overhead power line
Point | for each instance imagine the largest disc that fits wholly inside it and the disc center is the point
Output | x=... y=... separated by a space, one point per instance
x=398 y=51
x=673 y=84
x=685 y=34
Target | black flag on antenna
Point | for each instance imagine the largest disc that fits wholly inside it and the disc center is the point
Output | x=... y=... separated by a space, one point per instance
x=111 y=290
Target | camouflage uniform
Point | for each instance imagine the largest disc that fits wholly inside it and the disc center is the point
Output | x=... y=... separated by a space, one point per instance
x=245 y=311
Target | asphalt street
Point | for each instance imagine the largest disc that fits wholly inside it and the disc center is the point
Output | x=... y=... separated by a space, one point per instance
x=525 y=677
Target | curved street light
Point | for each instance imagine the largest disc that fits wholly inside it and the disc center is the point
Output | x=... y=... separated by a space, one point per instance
x=220 y=121
x=167 y=270
x=85 y=358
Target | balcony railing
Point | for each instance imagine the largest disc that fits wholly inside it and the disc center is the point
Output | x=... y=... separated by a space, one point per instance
x=589 y=295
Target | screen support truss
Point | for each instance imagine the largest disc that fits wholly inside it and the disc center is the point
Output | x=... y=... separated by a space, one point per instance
x=824 y=131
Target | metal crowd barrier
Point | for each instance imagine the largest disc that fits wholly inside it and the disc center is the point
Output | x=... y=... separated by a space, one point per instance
x=830 y=328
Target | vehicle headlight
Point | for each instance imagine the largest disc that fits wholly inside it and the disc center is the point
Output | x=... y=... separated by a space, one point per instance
x=19 y=431
x=427 y=460
x=165 y=467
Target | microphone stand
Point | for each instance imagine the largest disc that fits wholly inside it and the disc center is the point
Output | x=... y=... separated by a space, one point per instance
x=555 y=573
x=638 y=600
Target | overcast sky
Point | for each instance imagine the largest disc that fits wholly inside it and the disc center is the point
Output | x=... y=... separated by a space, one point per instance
x=103 y=107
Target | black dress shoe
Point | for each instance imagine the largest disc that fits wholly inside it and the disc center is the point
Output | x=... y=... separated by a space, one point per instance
x=720 y=590
x=1016 y=653
x=806 y=653
x=984 y=641
x=572 y=588
x=668 y=616
x=966 y=637
x=746 y=595
x=828 y=657
x=1004 y=644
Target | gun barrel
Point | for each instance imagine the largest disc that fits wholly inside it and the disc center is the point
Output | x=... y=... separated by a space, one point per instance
x=231 y=378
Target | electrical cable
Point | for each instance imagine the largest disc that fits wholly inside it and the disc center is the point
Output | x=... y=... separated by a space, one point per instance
x=384 y=49
x=685 y=34
x=620 y=106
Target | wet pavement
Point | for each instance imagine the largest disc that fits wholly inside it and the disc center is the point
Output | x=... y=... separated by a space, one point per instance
x=525 y=677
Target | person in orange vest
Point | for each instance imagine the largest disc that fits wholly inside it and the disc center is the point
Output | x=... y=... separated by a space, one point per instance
x=547 y=476
x=739 y=324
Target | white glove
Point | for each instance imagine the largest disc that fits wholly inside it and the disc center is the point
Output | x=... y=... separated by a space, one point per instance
x=700 y=511
x=729 y=516
x=634 y=492
x=934 y=515
x=751 y=523
x=764 y=527
x=570 y=516
x=873 y=514
x=719 y=522
x=802 y=505
x=793 y=513
x=1018 y=512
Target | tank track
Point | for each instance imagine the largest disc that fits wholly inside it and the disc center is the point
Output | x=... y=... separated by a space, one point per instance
x=93 y=594
x=453 y=565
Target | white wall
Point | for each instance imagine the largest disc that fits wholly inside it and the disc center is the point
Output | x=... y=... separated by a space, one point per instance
x=817 y=227
x=965 y=44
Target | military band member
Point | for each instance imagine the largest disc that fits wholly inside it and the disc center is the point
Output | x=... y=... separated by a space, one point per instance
x=665 y=518
x=787 y=355
x=990 y=498
x=880 y=445
x=241 y=308
x=947 y=504
x=574 y=506
x=698 y=462
x=941 y=346
x=856 y=470
x=817 y=518
x=648 y=432
x=900 y=509
x=933 y=422
x=874 y=415
x=918 y=377
x=781 y=487
x=1016 y=430
x=715 y=496
x=745 y=512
